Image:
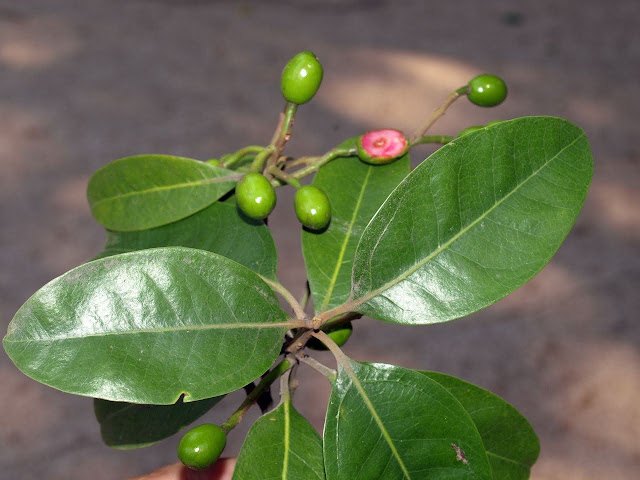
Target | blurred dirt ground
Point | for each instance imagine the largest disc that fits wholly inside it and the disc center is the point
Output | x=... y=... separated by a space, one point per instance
x=83 y=82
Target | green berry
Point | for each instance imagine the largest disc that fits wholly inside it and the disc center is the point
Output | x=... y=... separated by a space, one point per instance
x=312 y=207
x=301 y=78
x=473 y=128
x=487 y=90
x=201 y=446
x=256 y=196
x=339 y=335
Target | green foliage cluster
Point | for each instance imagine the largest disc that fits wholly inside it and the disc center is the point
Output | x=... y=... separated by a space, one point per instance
x=182 y=306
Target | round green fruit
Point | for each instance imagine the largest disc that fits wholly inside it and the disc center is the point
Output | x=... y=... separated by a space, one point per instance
x=201 y=446
x=301 y=78
x=339 y=335
x=256 y=196
x=473 y=128
x=487 y=90
x=312 y=207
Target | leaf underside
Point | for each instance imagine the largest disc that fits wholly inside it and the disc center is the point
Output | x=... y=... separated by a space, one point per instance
x=473 y=222
x=149 y=326
x=146 y=191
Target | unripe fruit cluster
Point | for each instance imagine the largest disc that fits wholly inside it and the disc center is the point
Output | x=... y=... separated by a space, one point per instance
x=256 y=198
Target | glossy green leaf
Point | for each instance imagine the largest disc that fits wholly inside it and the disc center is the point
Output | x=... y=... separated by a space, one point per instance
x=387 y=422
x=146 y=191
x=148 y=326
x=474 y=222
x=126 y=425
x=356 y=190
x=512 y=445
x=219 y=228
x=281 y=445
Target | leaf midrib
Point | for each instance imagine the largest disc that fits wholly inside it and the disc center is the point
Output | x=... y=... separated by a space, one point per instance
x=374 y=414
x=290 y=324
x=343 y=248
x=355 y=303
x=175 y=186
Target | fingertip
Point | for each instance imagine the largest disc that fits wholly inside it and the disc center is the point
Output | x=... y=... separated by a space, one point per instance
x=221 y=470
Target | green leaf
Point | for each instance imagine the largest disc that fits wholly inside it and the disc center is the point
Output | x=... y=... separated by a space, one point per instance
x=391 y=423
x=126 y=425
x=356 y=190
x=219 y=228
x=281 y=445
x=477 y=220
x=146 y=191
x=512 y=445
x=149 y=326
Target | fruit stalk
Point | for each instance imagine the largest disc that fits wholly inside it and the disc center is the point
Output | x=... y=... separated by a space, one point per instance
x=437 y=113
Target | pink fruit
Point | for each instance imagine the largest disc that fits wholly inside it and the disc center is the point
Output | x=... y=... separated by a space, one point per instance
x=382 y=146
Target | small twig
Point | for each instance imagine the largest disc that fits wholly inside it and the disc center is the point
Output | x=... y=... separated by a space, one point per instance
x=327 y=157
x=267 y=380
x=299 y=342
x=233 y=158
x=285 y=177
x=282 y=133
x=443 y=139
x=316 y=365
x=258 y=162
x=438 y=112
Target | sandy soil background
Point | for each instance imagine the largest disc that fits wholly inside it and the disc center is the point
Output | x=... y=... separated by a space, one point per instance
x=83 y=82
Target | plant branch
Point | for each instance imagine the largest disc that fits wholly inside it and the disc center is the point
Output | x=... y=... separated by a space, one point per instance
x=437 y=113
x=299 y=341
x=236 y=417
x=282 y=133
